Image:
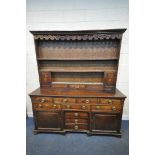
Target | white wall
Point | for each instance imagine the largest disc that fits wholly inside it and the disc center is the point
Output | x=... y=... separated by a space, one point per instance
x=74 y=15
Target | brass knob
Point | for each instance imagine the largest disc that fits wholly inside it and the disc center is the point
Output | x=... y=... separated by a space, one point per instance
x=83 y=107
x=42 y=100
x=113 y=108
x=97 y=107
x=40 y=106
x=87 y=101
x=68 y=106
x=109 y=101
x=76 y=127
x=65 y=100
x=54 y=106
x=76 y=120
x=76 y=114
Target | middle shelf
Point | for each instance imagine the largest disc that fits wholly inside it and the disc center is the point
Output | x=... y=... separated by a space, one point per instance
x=77 y=69
x=78 y=66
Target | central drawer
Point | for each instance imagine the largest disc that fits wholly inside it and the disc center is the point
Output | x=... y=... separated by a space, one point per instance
x=71 y=115
x=77 y=127
x=76 y=121
x=76 y=107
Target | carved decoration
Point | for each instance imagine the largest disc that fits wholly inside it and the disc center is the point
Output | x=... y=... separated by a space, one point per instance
x=77 y=37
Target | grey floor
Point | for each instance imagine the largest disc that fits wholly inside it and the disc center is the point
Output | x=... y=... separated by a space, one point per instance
x=76 y=144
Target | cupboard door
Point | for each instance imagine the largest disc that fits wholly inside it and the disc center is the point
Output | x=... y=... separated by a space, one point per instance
x=48 y=120
x=105 y=122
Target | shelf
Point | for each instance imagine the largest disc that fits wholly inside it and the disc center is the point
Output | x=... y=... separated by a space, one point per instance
x=63 y=59
x=77 y=69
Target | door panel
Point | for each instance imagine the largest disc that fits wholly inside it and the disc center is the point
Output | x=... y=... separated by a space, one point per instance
x=49 y=120
x=105 y=122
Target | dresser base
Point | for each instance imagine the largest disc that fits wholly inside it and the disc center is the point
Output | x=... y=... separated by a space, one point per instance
x=87 y=112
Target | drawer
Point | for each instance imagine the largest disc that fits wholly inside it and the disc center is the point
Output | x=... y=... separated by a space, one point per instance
x=95 y=87
x=109 y=101
x=41 y=99
x=76 y=127
x=64 y=100
x=76 y=115
x=46 y=106
x=76 y=121
x=76 y=107
x=86 y=100
x=77 y=86
x=106 y=108
x=59 y=86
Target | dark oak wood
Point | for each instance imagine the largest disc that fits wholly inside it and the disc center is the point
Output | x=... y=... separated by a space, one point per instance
x=78 y=75
x=93 y=56
x=77 y=111
x=48 y=120
x=75 y=93
x=102 y=122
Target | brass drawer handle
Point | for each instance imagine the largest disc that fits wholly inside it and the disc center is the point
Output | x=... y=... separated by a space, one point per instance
x=87 y=101
x=76 y=127
x=40 y=106
x=97 y=107
x=42 y=100
x=65 y=100
x=83 y=107
x=113 y=108
x=54 y=106
x=109 y=101
x=68 y=106
x=76 y=114
x=76 y=120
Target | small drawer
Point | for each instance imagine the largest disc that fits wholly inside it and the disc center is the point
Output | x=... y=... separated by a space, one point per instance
x=76 y=121
x=76 y=107
x=95 y=87
x=41 y=99
x=71 y=115
x=64 y=100
x=77 y=127
x=86 y=100
x=106 y=108
x=59 y=86
x=46 y=106
x=76 y=86
x=109 y=101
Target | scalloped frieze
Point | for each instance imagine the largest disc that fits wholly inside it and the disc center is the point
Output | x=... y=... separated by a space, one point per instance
x=77 y=37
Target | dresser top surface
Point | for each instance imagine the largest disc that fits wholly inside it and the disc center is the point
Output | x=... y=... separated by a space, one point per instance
x=74 y=93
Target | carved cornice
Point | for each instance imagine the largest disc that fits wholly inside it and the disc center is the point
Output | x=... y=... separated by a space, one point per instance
x=99 y=36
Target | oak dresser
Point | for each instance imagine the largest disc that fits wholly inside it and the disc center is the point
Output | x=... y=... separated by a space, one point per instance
x=78 y=74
